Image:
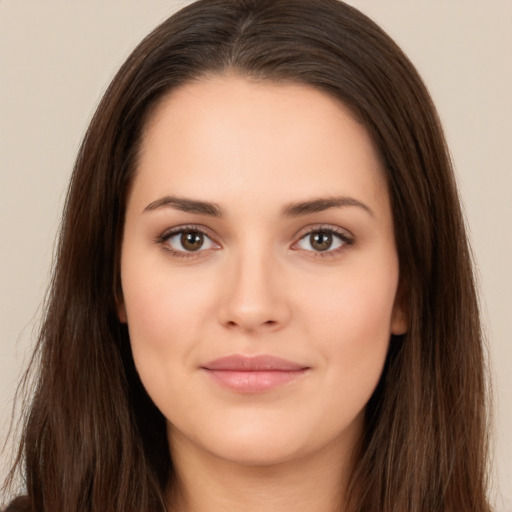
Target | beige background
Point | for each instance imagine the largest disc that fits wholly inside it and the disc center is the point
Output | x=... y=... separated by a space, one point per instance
x=57 y=56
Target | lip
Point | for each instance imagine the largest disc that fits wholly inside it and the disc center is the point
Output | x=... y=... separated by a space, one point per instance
x=253 y=374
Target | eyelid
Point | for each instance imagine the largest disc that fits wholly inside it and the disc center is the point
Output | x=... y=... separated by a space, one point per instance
x=346 y=237
x=313 y=228
x=171 y=232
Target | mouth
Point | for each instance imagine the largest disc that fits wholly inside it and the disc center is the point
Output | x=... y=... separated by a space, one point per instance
x=253 y=374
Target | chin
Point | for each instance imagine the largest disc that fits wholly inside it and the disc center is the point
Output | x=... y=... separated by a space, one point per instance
x=260 y=442
x=261 y=451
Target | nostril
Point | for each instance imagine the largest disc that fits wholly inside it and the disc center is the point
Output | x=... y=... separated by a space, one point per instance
x=251 y=325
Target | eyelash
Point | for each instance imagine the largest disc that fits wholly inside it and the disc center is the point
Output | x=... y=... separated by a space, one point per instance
x=342 y=236
x=167 y=235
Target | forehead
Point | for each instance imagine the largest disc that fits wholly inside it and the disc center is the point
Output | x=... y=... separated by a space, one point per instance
x=230 y=136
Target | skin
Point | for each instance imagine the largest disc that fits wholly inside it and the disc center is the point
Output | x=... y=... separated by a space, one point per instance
x=258 y=285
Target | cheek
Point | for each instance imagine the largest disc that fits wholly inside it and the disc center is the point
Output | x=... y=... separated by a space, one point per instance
x=166 y=313
x=350 y=321
x=158 y=299
x=356 y=305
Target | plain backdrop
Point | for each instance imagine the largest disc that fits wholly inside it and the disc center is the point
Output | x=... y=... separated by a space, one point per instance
x=57 y=57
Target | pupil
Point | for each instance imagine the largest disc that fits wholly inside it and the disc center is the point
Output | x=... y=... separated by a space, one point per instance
x=192 y=240
x=321 y=241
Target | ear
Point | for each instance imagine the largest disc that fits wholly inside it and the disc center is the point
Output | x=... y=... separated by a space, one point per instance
x=400 y=314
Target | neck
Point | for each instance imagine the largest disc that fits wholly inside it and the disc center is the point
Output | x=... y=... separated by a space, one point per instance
x=206 y=483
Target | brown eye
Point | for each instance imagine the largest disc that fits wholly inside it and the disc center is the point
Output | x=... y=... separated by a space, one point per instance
x=192 y=240
x=186 y=241
x=321 y=240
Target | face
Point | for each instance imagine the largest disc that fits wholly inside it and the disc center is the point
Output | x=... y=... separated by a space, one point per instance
x=259 y=270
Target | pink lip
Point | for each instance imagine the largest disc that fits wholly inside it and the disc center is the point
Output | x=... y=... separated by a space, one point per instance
x=253 y=374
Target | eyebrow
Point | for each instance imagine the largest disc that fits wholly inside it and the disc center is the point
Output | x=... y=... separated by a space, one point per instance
x=290 y=210
x=185 y=205
x=322 y=204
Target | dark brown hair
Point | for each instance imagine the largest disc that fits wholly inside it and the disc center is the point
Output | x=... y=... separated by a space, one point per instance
x=93 y=440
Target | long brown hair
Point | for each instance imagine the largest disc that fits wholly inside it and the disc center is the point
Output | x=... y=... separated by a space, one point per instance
x=94 y=441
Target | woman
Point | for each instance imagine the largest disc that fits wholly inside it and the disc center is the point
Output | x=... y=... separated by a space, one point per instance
x=263 y=298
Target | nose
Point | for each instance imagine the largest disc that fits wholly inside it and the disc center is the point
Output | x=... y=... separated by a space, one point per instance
x=254 y=297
